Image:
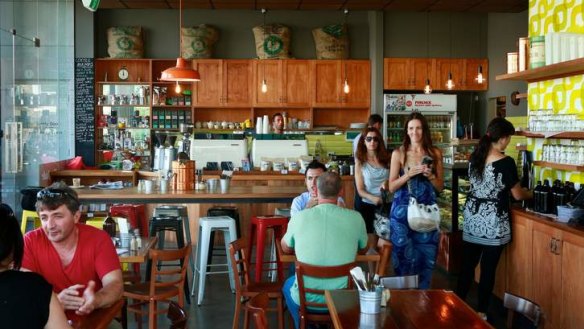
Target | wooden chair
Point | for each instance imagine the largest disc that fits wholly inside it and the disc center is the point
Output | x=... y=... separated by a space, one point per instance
x=246 y=289
x=156 y=291
x=400 y=282
x=320 y=272
x=177 y=316
x=530 y=311
x=258 y=305
x=384 y=255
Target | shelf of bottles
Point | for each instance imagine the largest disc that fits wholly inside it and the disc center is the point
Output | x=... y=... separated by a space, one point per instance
x=440 y=129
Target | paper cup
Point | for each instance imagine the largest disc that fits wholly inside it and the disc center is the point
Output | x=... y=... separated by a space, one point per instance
x=148 y=186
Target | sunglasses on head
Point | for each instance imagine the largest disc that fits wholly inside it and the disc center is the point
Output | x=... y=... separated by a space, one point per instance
x=372 y=138
x=54 y=193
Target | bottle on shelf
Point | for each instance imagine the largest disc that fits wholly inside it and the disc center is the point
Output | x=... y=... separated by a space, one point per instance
x=109 y=225
x=537 y=197
x=546 y=197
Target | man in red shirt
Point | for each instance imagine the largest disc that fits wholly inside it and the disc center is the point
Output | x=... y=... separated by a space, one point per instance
x=80 y=261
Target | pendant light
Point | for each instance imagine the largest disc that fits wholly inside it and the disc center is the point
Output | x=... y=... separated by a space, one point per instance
x=264 y=83
x=479 y=79
x=346 y=88
x=182 y=72
x=450 y=82
x=427 y=88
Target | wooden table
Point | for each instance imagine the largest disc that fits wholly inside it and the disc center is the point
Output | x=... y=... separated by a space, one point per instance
x=370 y=256
x=407 y=309
x=100 y=318
x=141 y=255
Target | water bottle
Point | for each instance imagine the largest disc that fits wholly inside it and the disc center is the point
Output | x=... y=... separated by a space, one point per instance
x=546 y=197
x=537 y=204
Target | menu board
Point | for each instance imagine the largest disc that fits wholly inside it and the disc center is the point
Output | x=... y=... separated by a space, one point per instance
x=84 y=110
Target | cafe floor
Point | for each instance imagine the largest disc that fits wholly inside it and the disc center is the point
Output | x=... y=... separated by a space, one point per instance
x=217 y=308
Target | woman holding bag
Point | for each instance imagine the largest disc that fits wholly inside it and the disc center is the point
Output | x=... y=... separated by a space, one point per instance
x=416 y=167
x=371 y=173
x=487 y=228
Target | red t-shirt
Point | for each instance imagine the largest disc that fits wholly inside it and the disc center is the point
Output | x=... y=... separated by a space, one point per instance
x=94 y=257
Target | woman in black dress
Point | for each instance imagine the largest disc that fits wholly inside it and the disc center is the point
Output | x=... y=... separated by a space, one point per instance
x=487 y=229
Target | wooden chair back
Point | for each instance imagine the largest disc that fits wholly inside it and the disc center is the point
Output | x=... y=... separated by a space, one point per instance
x=400 y=282
x=239 y=263
x=320 y=272
x=526 y=308
x=162 y=278
x=258 y=306
x=177 y=316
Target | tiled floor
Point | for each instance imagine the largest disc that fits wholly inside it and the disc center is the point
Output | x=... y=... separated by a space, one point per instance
x=217 y=308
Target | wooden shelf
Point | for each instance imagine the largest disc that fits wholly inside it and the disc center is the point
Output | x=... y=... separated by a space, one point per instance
x=142 y=83
x=559 y=166
x=551 y=134
x=549 y=72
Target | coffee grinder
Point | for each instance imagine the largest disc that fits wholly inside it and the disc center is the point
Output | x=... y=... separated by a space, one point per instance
x=184 y=145
x=169 y=155
x=159 y=151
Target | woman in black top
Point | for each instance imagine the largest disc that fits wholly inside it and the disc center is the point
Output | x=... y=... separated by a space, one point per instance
x=487 y=228
x=26 y=299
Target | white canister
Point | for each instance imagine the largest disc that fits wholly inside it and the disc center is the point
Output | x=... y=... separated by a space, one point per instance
x=259 y=125
x=536 y=52
x=265 y=165
x=266 y=125
x=512 y=62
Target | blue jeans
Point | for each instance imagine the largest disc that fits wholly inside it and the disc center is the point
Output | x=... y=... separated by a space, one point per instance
x=294 y=308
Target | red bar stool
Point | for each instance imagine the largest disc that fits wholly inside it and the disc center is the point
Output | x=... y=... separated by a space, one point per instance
x=135 y=213
x=258 y=231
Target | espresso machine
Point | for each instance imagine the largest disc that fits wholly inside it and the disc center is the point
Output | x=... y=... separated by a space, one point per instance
x=184 y=145
x=169 y=155
x=159 y=151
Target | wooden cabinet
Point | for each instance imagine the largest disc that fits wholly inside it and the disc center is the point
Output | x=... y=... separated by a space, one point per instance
x=545 y=262
x=224 y=83
x=408 y=73
x=412 y=73
x=518 y=258
x=471 y=70
x=327 y=83
x=288 y=83
x=358 y=75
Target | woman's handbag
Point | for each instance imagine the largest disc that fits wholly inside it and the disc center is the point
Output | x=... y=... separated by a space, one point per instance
x=421 y=217
x=381 y=221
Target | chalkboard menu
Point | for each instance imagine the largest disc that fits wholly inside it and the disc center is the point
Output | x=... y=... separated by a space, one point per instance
x=84 y=110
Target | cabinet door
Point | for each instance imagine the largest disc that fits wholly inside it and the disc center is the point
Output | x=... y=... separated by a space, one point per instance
x=237 y=83
x=296 y=82
x=270 y=71
x=396 y=73
x=327 y=83
x=471 y=69
x=444 y=66
x=546 y=273
x=519 y=257
x=209 y=91
x=358 y=74
x=572 y=283
x=422 y=70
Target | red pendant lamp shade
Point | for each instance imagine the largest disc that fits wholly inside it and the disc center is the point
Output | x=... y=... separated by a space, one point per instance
x=181 y=72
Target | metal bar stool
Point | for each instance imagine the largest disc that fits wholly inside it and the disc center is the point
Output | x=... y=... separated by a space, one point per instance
x=206 y=226
x=229 y=211
x=258 y=231
x=174 y=219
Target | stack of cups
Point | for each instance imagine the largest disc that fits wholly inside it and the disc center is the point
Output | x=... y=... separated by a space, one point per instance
x=266 y=125
x=259 y=125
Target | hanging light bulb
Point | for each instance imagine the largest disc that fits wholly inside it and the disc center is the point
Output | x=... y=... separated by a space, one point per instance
x=177 y=88
x=264 y=86
x=449 y=83
x=479 y=77
x=427 y=88
x=346 y=88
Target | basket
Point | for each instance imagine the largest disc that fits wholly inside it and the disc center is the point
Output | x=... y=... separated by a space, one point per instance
x=184 y=175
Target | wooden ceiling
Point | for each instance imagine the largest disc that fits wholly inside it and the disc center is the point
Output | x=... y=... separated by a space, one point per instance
x=502 y=6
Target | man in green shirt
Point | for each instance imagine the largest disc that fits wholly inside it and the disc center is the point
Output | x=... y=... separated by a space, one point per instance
x=324 y=235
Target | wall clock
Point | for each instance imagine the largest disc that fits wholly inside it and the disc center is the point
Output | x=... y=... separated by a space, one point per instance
x=123 y=73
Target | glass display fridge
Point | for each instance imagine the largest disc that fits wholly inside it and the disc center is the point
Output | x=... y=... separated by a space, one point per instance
x=438 y=109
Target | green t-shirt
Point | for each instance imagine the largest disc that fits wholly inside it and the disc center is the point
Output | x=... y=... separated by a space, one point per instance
x=325 y=235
